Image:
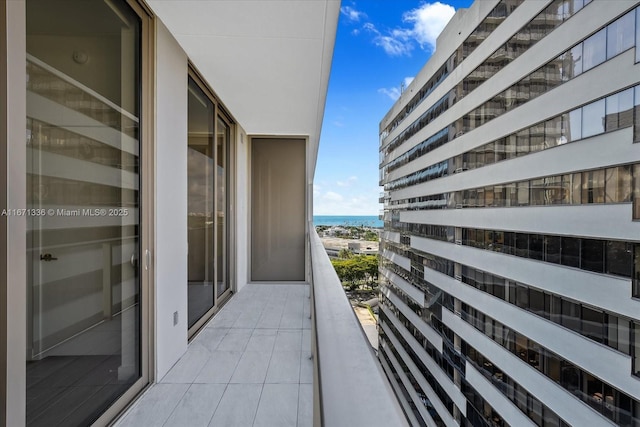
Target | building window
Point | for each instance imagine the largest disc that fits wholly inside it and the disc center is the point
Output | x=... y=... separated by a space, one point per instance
x=619 y=258
x=636 y=271
x=593 y=186
x=606 y=328
x=570 y=252
x=636 y=105
x=593 y=324
x=593 y=118
x=536 y=244
x=572 y=62
x=592 y=255
x=618 y=184
x=574 y=125
x=619 y=110
x=636 y=350
x=620 y=34
x=552 y=249
x=595 y=49
x=638 y=34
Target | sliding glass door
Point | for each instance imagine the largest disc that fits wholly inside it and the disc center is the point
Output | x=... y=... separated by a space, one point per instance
x=83 y=208
x=208 y=204
x=200 y=205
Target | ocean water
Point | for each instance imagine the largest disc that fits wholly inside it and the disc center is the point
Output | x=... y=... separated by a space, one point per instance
x=367 y=221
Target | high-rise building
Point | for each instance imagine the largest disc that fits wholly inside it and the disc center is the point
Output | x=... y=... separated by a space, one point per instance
x=511 y=250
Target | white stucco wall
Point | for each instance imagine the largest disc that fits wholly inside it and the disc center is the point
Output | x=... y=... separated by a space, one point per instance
x=171 y=201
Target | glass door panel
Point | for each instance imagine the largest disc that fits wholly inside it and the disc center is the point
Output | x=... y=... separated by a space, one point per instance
x=222 y=226
x=83 y=200
x=200 y=221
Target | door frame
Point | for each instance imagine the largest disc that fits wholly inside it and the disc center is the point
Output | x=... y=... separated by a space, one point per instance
x=13 y=228
x=147 y=215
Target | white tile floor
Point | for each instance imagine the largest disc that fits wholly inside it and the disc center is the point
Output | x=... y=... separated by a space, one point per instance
x=250 y=366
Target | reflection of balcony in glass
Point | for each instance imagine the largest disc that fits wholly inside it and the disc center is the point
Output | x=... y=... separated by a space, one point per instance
x=83 y=178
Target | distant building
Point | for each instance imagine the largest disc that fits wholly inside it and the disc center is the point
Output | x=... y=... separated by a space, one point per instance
x=511 y=244
x=333 y=246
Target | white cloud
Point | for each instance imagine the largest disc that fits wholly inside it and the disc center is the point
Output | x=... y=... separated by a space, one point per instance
x=352 y=14
x=332 y=196
x=428 y=22
x=348 y=182
x=425 y=24
x=394 y=92
x=392 y=45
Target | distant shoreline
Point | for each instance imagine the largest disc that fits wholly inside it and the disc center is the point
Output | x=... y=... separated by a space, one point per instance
x=352 y=220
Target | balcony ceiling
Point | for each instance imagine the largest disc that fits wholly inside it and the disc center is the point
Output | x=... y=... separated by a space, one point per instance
x=267 y=60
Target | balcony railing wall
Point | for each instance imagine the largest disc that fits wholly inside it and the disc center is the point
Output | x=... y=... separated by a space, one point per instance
x=350 y=387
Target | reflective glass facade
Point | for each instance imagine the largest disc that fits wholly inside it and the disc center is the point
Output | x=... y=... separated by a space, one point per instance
x=569 y=65
x=553 y=135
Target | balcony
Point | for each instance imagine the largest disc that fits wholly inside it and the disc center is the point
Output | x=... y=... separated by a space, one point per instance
x=276 y=355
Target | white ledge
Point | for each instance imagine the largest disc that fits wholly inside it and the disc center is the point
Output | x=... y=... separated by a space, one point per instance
x=352 y=386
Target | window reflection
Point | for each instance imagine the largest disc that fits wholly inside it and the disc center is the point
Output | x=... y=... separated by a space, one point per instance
x=638 y=34
x=636 y=108
x=604 y=327
x=593 y=186
x=620 y=35
x=607 y=400
x=222 y=209
x=572 y=63
x=582 y=57
x=200 y=206
x=618 y=184
x=593 y=118
x=595 y=50
x=602 y=256
x=604 y=115
x=83 y=347
x=619 y=108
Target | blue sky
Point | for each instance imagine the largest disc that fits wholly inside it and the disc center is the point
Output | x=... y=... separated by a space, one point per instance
x=379 y=45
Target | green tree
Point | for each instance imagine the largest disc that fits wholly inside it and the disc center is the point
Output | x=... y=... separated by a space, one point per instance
x=370 y=263
x=371 y=236
x=345 y=253
x=357 y=271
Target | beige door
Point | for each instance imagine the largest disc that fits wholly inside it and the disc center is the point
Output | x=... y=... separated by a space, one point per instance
x=278 y=209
